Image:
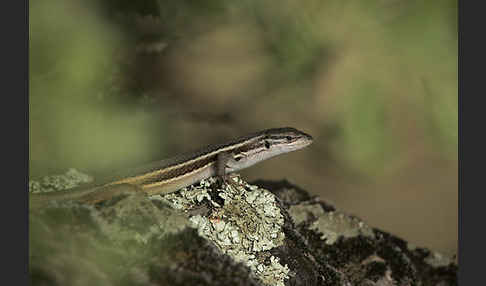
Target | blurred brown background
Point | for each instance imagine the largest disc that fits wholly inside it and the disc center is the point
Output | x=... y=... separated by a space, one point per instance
x=374 y=82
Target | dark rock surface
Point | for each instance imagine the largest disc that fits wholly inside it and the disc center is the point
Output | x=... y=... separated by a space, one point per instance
x=209 y=236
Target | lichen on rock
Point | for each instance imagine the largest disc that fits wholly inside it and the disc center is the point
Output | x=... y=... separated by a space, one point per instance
x=72 y=178
x=247 y=223
x=437 y=259
x=332 y=224
x=213 y=234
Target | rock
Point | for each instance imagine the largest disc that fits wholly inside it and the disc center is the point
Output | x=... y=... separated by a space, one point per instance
x=267 y=233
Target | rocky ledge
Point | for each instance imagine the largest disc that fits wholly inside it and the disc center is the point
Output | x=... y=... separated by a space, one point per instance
x=264 y=233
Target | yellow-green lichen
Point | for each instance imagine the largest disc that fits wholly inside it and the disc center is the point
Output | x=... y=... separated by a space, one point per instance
x=248 y=224
x=72 y=178
x=437 y=259
x=331 y=225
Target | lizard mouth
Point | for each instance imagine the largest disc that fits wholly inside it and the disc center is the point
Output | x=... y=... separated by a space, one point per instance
x=305 y=141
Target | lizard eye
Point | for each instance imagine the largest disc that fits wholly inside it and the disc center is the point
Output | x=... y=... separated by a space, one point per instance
x=288 y=138
x=267 y=144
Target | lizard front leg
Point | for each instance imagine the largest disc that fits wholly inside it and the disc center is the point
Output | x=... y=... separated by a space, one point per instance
x=223 y=160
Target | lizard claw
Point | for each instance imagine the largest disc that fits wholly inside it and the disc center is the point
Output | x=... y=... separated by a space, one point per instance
x=228 y=180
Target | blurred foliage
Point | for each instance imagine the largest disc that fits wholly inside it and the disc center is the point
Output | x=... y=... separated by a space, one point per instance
x=77 y=109
x=393 y=45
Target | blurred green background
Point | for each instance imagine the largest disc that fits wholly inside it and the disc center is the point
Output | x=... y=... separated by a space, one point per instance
x=115 y=84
